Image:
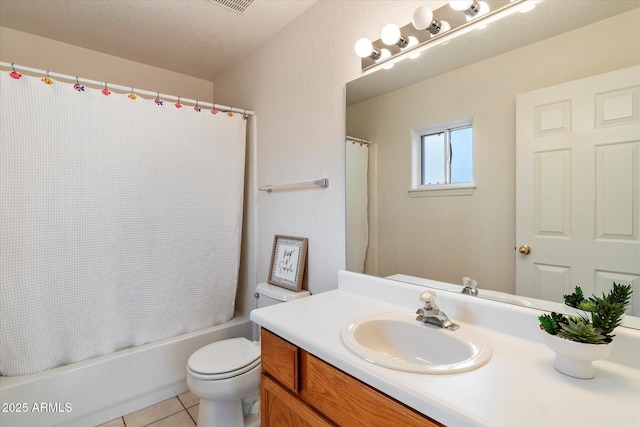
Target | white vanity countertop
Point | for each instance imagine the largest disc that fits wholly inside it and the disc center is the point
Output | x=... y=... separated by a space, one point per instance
x=517 y=387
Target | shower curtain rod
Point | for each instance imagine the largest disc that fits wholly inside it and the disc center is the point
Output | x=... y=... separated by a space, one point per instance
x=125 y=89
x=361 y=141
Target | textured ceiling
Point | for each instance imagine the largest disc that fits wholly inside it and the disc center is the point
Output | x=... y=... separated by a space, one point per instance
x=193 y=37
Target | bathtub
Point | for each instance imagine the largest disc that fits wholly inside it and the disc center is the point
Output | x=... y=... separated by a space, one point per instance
x=98 y=390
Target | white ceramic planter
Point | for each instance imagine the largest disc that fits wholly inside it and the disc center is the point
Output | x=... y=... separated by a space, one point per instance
x=574 y=358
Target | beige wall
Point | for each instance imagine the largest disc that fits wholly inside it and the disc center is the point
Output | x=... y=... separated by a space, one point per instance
x=446 y=238
x=296 y=85
x=46 y=54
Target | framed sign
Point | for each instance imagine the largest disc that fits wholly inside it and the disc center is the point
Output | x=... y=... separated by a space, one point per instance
x=288 y=260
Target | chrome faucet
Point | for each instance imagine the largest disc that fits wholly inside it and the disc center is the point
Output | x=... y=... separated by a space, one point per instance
x=431 y=314
x=470 y=286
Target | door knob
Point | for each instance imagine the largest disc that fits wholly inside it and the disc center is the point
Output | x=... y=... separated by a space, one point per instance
x=524 y=249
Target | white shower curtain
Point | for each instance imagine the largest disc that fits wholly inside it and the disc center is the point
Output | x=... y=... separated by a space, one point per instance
x=120 y=221
x=357 y=159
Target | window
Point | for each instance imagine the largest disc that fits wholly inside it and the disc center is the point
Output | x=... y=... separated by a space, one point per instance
x=443 y=158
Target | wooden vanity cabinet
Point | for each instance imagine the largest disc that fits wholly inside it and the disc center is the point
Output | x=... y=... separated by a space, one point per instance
x=298 y=389
x=278 y=407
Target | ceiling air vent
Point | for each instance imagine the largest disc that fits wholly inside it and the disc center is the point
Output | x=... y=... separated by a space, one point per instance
x=235 y=5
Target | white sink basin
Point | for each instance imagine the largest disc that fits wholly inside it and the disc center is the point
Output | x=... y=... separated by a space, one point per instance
x=398 y=341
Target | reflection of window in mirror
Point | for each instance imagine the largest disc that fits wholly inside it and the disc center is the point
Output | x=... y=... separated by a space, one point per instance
x=443 y=159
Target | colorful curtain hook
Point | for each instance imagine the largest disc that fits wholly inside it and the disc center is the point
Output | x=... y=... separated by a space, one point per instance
x=177 y=104
x=78 y=86
x=197 y=107
x=214 y=110
x=230 y=113
x=14 y=74
x=158 y=101
x=245 y=116
x=106 y=91
x=132 y=95
x=47 y=80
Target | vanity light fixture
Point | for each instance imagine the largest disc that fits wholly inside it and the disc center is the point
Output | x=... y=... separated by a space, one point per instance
x=484 y=9
x=391 y=35
x=474 y=11
x=430 y=28
x=364 y=49
x=469 y=7
x=423 y=20
x=384 y=54
x=412 y=43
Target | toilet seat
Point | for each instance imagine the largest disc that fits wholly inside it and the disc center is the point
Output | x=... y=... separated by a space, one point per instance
x=224 y=359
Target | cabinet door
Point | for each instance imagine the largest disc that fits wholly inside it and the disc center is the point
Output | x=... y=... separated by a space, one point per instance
x=279 y=408
x=349 y=402
x=279 y=359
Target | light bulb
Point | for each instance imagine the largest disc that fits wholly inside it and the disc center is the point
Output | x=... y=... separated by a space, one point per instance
x=422 y=17
x=469 y=7
x=484 y=8
x=460 y=5
x=364 y=48
x=412 y=42
x=390 y=34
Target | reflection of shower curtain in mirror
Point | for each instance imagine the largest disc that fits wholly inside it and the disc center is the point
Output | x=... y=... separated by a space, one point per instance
x=120 y=222
x=357 y=158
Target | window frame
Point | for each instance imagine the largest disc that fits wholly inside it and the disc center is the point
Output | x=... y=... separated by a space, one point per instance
x=420 y=190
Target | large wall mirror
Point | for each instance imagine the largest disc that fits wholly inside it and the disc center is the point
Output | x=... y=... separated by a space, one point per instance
x=477 y=75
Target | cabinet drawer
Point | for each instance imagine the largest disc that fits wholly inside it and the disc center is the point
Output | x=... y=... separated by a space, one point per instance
x=347 y=401
x=279 y=359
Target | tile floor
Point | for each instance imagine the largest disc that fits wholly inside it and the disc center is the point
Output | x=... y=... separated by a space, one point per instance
x=179 y=411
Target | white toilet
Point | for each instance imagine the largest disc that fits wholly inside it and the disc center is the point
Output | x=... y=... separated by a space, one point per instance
x=224 y=373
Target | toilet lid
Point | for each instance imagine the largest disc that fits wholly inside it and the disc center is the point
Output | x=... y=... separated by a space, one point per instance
x=224 y=357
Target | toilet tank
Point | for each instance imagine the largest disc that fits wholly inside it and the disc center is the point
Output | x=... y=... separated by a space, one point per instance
x=267 y=295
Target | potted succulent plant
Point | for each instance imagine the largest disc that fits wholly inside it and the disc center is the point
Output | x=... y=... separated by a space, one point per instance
x=580 y=339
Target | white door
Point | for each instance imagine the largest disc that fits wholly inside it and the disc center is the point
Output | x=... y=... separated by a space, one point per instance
x=578 y=187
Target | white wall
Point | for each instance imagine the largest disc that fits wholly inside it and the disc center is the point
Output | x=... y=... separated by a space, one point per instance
x=296 y=85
